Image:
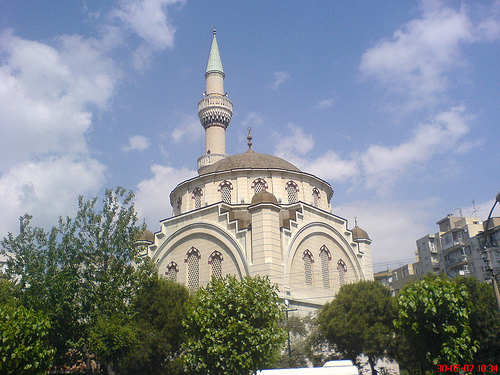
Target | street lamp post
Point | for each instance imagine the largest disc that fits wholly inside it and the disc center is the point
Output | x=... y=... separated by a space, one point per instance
x=487 y=248
x=287 y=305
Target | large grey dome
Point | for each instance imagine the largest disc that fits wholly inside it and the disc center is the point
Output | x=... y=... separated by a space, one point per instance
x=250 y=160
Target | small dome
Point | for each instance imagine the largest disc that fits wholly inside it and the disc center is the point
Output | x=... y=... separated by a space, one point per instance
x=250 y=160
x=359 y=234
x=263 y=197
x=147 y=236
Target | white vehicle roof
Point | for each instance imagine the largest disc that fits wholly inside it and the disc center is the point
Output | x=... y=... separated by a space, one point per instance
x=329 y=368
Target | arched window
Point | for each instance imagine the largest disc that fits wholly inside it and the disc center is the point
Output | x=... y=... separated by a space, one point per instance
x=197 y=193
x=259 y=185
x=292 y=189
x=225 y=188
x=342 y=269
x=316 y=196
x=193 y=267
x=215 y=260
x=308 y=261
x=172 y=271
x=324 y=255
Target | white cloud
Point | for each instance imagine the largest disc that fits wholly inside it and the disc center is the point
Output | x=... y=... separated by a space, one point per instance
x=326 y=103
x=382 y=165
x=45 y=95
x=189 y=127
x=136 y=143
x=254 y=119
x=152 y=199
x=414 y=63
x=393 y=226
x=279 y=79
x=46 y=189
x=148 y=19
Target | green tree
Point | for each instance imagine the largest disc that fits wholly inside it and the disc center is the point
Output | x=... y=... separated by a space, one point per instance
x=360 y=321
x=484 y=320
x=233 y=327
x=159 y=308
x=434 y=318
x=24 y=341
x=83 y=273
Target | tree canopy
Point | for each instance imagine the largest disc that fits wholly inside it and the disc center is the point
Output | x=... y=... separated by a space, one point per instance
x=233 y=327
x=434 y=317
x=159 y=309
x=83 y=274
x=360 y=321
x=24 y=341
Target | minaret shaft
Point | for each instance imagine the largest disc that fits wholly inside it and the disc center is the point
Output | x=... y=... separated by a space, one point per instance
x=214 y=110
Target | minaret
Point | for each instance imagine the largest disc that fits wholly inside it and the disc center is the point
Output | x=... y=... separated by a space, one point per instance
x=214 y=110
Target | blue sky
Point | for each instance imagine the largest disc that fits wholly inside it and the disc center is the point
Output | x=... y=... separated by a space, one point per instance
x=395 y=103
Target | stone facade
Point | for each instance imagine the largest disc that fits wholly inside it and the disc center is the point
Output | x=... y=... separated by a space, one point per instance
x=256 y=214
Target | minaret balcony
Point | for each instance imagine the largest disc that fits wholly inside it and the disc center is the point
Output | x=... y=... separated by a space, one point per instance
x=209 y=159
x=215 y=109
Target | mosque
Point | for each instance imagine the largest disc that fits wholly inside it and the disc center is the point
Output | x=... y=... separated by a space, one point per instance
x=255 y=214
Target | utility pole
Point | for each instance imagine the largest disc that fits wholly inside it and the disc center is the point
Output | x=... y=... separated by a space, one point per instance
x=486 y=250
x=287 y=305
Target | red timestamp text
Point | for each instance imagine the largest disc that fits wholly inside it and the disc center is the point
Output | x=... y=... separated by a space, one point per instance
x=467 y=368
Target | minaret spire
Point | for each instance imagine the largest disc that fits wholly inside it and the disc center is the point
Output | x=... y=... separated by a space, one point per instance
x=214 y=109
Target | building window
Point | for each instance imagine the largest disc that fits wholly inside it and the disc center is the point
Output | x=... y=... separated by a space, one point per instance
x=215 y=260
x=197 y=193
x=324 y=255
x=172 y=271
x=259 y=185
x=292 y=189
x=308 y=261
x=179 y=203
x=316 y=196
x=342 y=269
x=225 y=188
x=193 y=266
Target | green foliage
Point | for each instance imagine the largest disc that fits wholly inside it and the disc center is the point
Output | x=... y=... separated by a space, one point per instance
x=233 y=327
x=360 y=321
x=434 y=318
x=484 y=320
x=82 y=273
x=160 y=308
x=24 y=342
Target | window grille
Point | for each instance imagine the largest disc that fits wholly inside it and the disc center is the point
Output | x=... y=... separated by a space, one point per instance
x=193 y=265
x=325 y=257
x=308 y=261
x=342 y=268
x=291 y=190
x=225 y=191
x=316 y=197
x=259 y=185
x=197 y=193
x=215 y=261
x=172 y=270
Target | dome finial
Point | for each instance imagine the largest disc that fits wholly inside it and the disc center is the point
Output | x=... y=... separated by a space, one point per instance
x=213 y=30
x=355 y=220
x=249 y=138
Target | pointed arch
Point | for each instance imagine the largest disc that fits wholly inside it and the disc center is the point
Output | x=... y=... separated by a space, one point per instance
x=259 y=185
x=292 y=189
x=225 y=188
x=215 y=261
x=197 y=194
x=325 y=257
x=192 y=260
x=308 y=259
x=342 y=270
x=172 y=271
